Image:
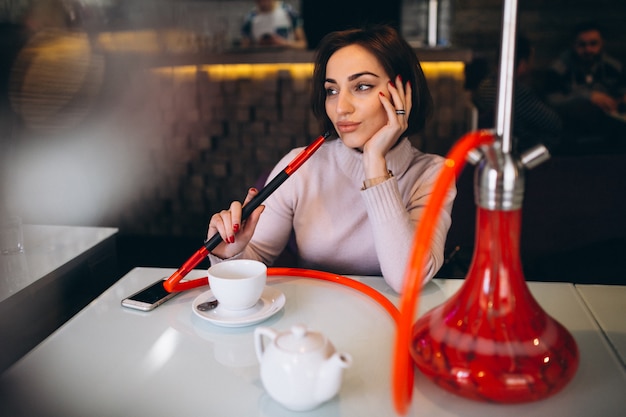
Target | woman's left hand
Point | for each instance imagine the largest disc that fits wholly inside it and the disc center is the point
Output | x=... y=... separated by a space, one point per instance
x=398 y=108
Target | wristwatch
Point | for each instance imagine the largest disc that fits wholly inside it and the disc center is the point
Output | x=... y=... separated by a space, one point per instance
x=377 y=180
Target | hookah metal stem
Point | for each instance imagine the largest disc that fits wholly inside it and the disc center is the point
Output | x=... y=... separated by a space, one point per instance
x=172 y=283
x=504 y=108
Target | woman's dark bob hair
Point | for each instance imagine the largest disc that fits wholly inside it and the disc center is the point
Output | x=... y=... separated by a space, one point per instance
x=394 y=54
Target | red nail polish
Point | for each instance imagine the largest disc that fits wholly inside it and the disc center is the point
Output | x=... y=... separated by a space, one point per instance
x=391 y=83
x=235 y=228
x=231 y=239
x=381 y=94
x=400 y=77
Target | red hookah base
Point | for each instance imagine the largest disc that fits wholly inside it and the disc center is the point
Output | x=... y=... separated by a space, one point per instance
x=499 y=371
x=492 y=341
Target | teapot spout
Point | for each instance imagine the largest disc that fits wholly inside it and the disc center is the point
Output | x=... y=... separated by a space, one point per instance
x=330 y=376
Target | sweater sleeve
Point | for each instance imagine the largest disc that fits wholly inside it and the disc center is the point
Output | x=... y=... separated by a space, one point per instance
x=394 y=222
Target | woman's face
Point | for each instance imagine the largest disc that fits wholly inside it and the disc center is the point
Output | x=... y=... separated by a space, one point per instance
x=354 y=80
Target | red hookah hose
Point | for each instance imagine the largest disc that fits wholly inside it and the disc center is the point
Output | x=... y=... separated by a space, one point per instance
x=403 y=371
x=348 y=282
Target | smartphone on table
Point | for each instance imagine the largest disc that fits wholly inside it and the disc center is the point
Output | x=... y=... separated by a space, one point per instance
x=149 y=297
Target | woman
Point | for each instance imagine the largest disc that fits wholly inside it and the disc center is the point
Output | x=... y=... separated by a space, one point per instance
x=355 y=204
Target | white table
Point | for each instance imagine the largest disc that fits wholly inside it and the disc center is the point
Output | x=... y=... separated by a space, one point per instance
x=61 y=269
x=607 y=303
x=111 y=361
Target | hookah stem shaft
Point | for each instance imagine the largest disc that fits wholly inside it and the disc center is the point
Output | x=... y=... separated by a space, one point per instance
x=272 y=185
x=172 y=283
x=258 y=199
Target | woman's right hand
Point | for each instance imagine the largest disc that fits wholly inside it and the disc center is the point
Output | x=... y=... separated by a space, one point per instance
x=235 y=233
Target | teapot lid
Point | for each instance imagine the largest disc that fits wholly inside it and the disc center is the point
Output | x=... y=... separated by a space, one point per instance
x=301 y=340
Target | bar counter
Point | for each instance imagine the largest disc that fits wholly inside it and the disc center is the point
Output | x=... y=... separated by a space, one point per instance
x=273 y=55
x=179 y=47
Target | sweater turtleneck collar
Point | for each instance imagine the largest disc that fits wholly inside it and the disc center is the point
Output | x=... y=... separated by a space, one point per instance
x=351 y=160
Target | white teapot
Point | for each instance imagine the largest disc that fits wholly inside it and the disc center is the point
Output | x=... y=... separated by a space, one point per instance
x=300 y=368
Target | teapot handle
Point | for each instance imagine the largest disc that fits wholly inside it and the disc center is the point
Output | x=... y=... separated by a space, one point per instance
x=259 y=332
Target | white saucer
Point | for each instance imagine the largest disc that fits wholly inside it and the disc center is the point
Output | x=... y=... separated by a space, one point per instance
x=272 y=300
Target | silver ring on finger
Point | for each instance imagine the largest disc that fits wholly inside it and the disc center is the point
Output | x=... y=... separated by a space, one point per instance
x=400 y=111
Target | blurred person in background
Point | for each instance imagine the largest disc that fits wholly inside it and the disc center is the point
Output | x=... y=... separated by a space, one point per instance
x=273 y=23
x=533 y=121
x=588 y=89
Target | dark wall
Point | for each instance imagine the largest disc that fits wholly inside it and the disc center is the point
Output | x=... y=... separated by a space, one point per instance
x=324 y=16
x=548 y=24
x=563 y=237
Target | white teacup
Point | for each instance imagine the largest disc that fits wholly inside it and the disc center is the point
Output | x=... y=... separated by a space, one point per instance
x=237 y=284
